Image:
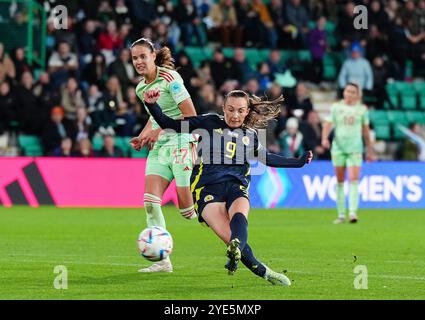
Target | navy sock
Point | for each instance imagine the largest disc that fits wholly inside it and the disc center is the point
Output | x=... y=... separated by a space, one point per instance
x=249 y=260
x=239 y=229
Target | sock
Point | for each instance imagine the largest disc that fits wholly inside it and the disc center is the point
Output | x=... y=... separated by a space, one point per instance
x=353 y=200
x=249 y=260
x=340 y=200
x=188 y=213
x=154 y=216
x=239 y=229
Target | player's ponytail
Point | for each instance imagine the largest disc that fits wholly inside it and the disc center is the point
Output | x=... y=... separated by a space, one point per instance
x=261 y=111
x=163 y=58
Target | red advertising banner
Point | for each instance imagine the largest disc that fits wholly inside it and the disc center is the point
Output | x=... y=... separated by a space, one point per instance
x=74 y=182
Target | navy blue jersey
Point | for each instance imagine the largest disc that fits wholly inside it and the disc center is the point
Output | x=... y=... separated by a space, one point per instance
x=223 y=152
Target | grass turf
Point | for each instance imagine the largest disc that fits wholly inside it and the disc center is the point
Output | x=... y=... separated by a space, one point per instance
x=98 y=247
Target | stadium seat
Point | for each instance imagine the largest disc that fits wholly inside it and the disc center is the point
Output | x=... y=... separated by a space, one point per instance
x=404 y=87
x=253 y=56
x=264 y=53
x=378 y=117
x=198 y=54
x=408 y=100
x=139 y=154
x=415 y=117
x=123 y=144
x=30 y=145
x=422 y=101
x=419 y=87
x=382 y=132
x=396 y=116
x=97 y=142
x=229 y=52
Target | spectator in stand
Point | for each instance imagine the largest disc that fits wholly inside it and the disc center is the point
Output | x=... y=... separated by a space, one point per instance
x=7 y=107
x=264 y=76
x=248 y=23
x=7 y=68
x=376 y=43
x=381 y=74
x=187 y=72
x=96 y=107
x=242 y=66
x=277 y=14
x=125 y=121
x=223 y=15
x=56 y=129
x=105 y=12
x=299 y=101
x=410 y=150
x=135 y=104
x=311 y=130
x=347 y=33
x=109 y=149
x=317 y=45
x=109 y=42
x=28 y=111
x=190 y=23
x=21 y=65
x=267 y=27
x=83 y=126
x=356 y=69
x=64 y=150
x=275 y=63
x=47 y=97
x=296 y=24
x=62 y=65
x=252 y=87
x=378 y=16
x=71 y=98
x=96 y=71
x=291 y=139
x=143 y=13
x=87 y=42
x=121 y=12
x=84 y=149
x=123 y=70
x=205 y=100
x=222 y=68
x=113 y=98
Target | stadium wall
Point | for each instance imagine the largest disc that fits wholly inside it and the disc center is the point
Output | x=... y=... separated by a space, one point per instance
x=120 y=183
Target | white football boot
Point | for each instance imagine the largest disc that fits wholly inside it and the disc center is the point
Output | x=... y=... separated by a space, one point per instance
x=276 y=278
x=160 y=266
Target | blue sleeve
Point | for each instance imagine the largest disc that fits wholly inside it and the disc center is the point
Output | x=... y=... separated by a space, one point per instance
x=275 y=160
x=186 y=125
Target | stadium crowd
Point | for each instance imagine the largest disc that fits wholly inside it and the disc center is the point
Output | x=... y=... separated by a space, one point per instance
x=88 y=85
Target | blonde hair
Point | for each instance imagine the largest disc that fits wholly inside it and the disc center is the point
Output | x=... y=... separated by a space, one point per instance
x=163 y=58
x=261 y=110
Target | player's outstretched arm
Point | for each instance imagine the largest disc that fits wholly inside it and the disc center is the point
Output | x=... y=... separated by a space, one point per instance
x=186 y=125
x=278 y=161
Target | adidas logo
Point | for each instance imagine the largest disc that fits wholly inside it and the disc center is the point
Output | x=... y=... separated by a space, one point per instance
x=186 y=169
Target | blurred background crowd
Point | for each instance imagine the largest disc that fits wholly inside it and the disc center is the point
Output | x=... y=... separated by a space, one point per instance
x=82 y=102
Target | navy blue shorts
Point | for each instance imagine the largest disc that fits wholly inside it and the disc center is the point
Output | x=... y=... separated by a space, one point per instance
x=226 y=192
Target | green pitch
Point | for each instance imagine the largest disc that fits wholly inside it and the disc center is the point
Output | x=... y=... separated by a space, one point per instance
x=98 y=247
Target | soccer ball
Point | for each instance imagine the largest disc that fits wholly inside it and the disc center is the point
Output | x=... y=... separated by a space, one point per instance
x=155 y=243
